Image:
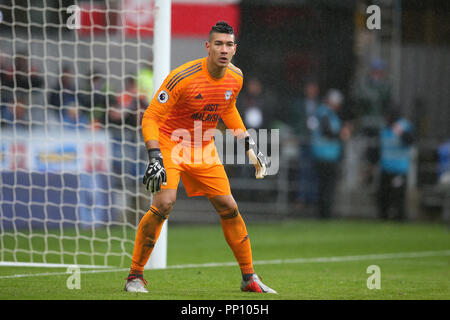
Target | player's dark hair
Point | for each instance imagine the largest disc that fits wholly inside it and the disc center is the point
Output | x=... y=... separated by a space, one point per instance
x=221 y=27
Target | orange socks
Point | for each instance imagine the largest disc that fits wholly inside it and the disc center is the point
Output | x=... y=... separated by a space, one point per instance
x=233 y=227
x=147 y=233
x=236 y=235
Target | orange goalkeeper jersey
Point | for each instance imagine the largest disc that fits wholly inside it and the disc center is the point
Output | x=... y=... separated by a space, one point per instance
x=191 y=100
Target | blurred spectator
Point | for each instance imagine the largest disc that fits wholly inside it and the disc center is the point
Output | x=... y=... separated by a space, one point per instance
x=145 y=82
x=132 y=104
x=73 y=117
x=328 y=135
x=444 y=178
x=256 y=105
x=304 y=109
x=5 y=69
x=373 y=97
x=94 y=98
x=63 y=93
x=17 y=82
x=22 y=76
x=123 y=116
x=303 y=122
x=16 y=113
x=444 y=162
x=396 y=139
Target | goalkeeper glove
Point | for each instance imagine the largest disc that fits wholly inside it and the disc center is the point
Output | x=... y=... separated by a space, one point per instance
x=155 y=175
x=256 y=157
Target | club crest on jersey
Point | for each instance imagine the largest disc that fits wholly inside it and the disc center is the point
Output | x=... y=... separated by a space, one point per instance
x=163 y=96
x=228 y=94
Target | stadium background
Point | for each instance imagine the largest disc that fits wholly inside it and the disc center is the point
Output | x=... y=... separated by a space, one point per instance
x=281 y=43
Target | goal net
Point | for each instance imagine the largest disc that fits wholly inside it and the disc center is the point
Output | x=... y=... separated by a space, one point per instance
x=76 y=77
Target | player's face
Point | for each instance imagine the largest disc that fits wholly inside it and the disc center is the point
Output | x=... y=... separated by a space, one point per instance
x=221 y=48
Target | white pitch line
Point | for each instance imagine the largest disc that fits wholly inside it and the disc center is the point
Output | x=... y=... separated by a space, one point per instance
x=43 y=274
x=48 y=265
x=383 y=256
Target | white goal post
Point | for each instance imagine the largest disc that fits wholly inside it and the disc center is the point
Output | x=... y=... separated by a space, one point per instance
x=161 y=66
x=74 y=82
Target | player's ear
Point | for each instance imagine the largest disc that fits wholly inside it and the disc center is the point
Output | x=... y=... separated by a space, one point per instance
x=234 y=50
x=207 y=46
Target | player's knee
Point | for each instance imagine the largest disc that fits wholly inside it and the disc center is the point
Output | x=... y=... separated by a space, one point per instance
x=164 y=202
x=229 y=213
x=164 y=208
x=223 y=203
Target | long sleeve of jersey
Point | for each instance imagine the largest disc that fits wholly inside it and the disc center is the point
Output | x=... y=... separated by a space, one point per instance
x=158 y=111
x=233 y=120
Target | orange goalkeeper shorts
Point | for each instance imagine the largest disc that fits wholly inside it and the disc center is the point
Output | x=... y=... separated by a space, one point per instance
x=200 y=169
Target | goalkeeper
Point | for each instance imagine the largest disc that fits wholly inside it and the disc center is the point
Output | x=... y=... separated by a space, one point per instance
x=199 y=92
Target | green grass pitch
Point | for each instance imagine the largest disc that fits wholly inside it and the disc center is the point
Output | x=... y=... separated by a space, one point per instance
x=284 y=255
